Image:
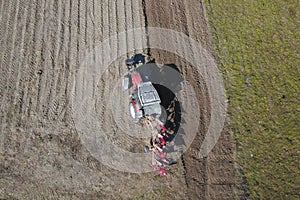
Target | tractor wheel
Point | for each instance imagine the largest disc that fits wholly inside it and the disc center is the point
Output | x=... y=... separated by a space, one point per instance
x=135 y=113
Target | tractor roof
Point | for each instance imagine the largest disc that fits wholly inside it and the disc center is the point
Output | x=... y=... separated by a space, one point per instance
x=147 y=94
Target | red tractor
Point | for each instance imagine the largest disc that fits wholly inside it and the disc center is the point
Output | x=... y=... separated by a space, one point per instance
x=145 y=104
x=144 y=100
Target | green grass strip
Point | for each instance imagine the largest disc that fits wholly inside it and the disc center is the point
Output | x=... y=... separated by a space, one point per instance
x=258 y=48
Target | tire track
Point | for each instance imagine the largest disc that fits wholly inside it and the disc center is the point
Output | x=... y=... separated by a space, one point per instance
x=90 y=34
x=83 y=32
x=4 y=28
x=63 y=91
x=22 y=65
x=86 y=28
x=46 y=63
x=136 y=21
x=112 y=26
x=20 y=97
x=120 y=27
x=105 y=20
x=12 y=58
x=54 y=50
x=67 y=64
x=126 y=25
x=32 y=63
x=4 y=61
x=81 y=50
x=144 y=11
x=98 y=21
x=57 y=102
x=78 y=23
x=222 y=177
x=196 y=168
x=3 y=74
x=2 y=31
x=105 y=33
x=43 y=62
x=1 y=11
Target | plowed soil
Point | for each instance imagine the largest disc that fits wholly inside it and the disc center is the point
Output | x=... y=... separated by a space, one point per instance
x=41 y=155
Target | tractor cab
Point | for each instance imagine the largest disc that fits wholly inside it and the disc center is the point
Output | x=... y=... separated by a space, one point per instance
x=144 y=100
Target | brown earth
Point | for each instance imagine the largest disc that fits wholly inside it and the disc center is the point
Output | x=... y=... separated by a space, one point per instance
x=41 y=155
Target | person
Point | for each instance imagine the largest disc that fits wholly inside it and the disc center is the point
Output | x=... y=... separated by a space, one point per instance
x=138 y=58
x=129 y=63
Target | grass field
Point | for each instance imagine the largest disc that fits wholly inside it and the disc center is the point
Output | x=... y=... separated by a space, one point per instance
x=258 y=48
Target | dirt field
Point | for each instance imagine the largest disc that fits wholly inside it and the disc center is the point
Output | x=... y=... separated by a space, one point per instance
x=41 y=155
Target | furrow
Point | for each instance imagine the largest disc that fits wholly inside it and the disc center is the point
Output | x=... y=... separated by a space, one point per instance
x=32 y=62
x=147 y=51
x=46 y=80
x=142 y=22
x=136 y=9
x=3 y=68
x=86 y=27
x=73 y=42
x=56 y=100
x=42 y=72
x=112 y=26
x=19 y=99
x=98 y=21
x=22 y=62
x=81 y=26
x=78 y=29
x=97 y=24
x=101 y=83
x=90 y=27
x=105 y=19
x=2 y=22
x=4 y=57
x=117 y=67
x=120 y=27
x=1 y=10
x=66 y=61
x=128 y=25
x=12 y=71
x=54 y=50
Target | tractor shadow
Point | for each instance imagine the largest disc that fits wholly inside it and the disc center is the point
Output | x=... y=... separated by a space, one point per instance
x=167 y=81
